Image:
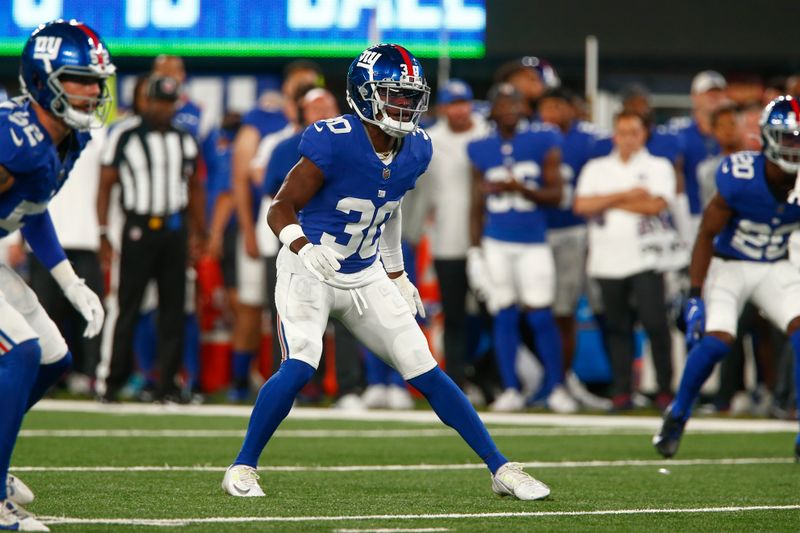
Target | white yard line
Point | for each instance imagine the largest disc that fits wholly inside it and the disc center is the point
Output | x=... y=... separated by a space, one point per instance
x=649 y=423
x=451 y=516
x=418 y=467
x=317 y=433
x=393 y=530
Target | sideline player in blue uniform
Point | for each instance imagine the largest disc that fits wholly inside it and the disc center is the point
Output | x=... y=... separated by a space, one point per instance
x=515 y=173
x=62 y=73
x=740 y=255
x=347 y=189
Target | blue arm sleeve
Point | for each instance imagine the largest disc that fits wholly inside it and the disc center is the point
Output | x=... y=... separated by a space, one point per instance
x=40 y=234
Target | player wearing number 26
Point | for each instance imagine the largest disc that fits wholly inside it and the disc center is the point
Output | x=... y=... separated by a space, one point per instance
x=741 y=254
x=337 y=213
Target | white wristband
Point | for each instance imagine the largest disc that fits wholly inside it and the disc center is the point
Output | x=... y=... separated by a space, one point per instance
x=290 y=233
x=392 y=260
x=64 y=274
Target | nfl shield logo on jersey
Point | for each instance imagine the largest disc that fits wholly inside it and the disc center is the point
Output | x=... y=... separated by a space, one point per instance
x=386 y=173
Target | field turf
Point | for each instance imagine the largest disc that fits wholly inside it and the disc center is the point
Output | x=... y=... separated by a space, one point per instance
x=95 y=471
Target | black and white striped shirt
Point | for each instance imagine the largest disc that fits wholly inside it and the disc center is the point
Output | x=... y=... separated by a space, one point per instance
x=154 y=166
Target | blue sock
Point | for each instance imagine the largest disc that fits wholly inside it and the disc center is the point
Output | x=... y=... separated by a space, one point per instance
x=241 y=368
x=48 y=376
x=795 y=340
x=18 y=369
x=144 y=345
x=191 y=350
x=548 y=347
x=506 y=343
x=395 y=379
x=699 y=365
x=453 y=408
x=376 y=371
x=273 y=404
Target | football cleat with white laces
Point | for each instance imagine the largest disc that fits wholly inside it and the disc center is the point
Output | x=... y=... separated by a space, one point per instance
x=511 y=480
x=242 y=481
x=17 y=491
x=15 y=518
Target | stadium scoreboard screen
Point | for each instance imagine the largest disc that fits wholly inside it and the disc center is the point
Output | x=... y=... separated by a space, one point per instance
x=240 y=28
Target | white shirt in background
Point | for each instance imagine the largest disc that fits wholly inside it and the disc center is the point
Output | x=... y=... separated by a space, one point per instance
x=617 y=237
x=446 y=188
x=74 y=208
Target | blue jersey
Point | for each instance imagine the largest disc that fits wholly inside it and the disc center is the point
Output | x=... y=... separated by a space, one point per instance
x=577 y=149
x=29 y=154
x=695 y=148
x=285 y=156
x=761 y=224
x=265 y=122
x=360 y=192
x=511 y=216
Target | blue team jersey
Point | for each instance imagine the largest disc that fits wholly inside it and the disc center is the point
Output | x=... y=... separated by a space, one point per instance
x=578 y=147
x=265 y=122
x=187 y=118
x=285 y=156
x=510 y=216
x=695 y=148
x=761 y=224
x=29 y=154
x=360 y=192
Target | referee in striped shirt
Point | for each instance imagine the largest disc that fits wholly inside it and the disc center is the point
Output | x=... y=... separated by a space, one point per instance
x=155 y=164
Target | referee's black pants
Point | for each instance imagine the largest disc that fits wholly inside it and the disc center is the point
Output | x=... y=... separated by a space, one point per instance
x=147 y=254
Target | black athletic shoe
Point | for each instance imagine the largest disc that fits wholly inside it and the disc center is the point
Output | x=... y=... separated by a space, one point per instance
x=797 y=453
x=668 y=438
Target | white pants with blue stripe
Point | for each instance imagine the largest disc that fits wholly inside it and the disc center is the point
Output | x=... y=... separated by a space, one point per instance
x=23 y=318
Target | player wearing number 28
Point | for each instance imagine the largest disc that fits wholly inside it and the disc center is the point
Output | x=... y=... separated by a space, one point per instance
x=740 y=255
x=336 y=214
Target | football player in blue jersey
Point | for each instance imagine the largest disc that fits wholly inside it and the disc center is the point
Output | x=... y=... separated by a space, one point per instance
x=347 y=189
x=567 y=232
x=695 y=136
x=515 y=173
x=63 y=71
x=741 y=255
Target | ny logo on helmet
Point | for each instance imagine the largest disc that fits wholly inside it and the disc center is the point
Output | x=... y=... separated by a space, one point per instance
x=46 y=48
x=368 y=59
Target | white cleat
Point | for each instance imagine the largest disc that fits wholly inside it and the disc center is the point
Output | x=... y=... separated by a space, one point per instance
x=17 y=491
x=14 y=518
x=374 y=397
x=242 y=481
x=398 y=398
x=351 y=403
x=510 y=480
x=510 y=400
x=559 y=401
x=590 y=401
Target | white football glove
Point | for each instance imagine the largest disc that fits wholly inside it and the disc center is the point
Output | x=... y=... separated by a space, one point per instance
x=410 y=294
x=320 y=260
x=88 y=305
x=477 y=275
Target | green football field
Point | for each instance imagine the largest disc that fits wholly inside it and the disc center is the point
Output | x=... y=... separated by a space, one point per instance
x=145 y=468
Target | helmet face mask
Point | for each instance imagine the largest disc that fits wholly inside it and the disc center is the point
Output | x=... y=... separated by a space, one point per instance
x=386 y=87
x=78 y=111
x=780 y=133
x=62 y=52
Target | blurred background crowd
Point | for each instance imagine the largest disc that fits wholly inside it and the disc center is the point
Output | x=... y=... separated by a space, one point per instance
x=201 y=314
